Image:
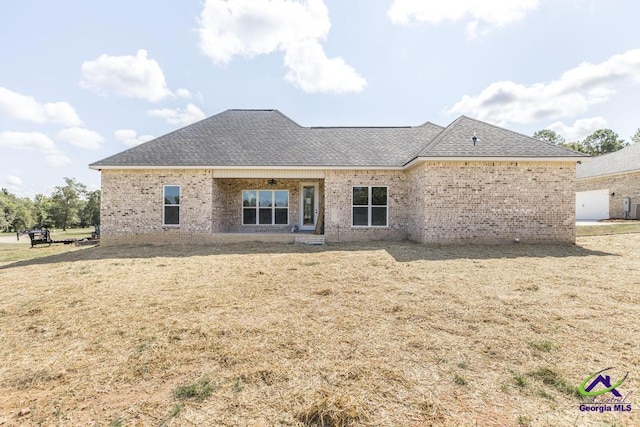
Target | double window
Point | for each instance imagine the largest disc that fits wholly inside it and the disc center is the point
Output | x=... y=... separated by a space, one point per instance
x=265 y=207
x=370 y=206
x=171 y=205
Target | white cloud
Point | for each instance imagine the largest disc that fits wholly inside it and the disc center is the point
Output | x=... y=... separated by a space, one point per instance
x=311 y=70
x=80 y=137
x=13 y=183
x=492 y=13
x=17 y=106
x=580 y=128
x=58 y=159
x=183 y=93
x=130 y=137
x=569 y=95
x=186 y=116
x=256 y=27
x=128 y=76
x=27 y=141
x=34 y=141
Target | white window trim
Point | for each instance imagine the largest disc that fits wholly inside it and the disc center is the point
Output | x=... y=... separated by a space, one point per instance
x=273 y=208
x=164 y=205
x=369 y=206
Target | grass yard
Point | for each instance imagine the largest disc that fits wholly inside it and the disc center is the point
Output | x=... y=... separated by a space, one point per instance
x=622 y=227
x=392 y=334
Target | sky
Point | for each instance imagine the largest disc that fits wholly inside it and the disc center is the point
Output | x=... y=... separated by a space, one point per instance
x=82 y=80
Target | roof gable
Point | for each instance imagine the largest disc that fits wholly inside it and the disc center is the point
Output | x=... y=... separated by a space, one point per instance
x=491 y=141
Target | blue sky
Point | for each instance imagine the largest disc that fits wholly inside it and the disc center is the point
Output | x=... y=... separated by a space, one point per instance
x=81 y=80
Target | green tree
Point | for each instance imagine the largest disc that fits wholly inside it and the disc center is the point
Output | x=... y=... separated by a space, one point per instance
x=7 y=209
x=603 y=141
x=547 y=135
x=15 y=212
x=24 y=214
x=552 y=137
x=90 y=214
x=575 y=146
x=66 y=203
x=636 y=136
x=40 y=211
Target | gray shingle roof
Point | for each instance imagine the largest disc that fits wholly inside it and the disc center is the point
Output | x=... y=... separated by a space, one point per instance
x=258 y=138
x=492 y=141
x=625 y=160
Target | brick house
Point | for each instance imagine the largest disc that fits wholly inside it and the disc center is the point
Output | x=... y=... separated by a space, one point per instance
x=604 y=182
x=259 y=175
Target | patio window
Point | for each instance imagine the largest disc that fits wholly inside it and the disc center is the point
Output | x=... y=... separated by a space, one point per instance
x=171 y=205
x=265 y=207
x=370 y=207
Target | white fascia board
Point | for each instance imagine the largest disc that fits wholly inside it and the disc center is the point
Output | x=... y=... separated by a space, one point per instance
x=494 y=159
x=406 y=166
x=96 y=167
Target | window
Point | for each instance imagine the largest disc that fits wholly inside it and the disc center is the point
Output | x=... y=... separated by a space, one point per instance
x=171 y=205
x=265 y=207
x=370 y=206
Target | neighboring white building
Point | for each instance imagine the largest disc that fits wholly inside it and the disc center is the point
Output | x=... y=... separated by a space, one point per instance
x=608 y=186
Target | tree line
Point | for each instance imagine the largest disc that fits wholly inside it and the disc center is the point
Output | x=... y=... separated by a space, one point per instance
x=69 y=205
x=600 y=142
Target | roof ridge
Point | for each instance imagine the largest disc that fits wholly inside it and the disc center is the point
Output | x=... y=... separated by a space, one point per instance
x=377 y=127
x=440 y=136
x=251 y=109
x=430 y=123
x=428 y=143
x=286 y=117
x=260 y=110
x=360 y=127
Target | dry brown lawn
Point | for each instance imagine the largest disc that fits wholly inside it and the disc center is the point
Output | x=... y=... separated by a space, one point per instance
x=380 y=334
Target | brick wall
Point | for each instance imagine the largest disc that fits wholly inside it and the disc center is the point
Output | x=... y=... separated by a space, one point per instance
x=494 y=201
x=623 y=185
x=228 y=203
x=338 y=199
x=432 y=202
x=132 y=204
x=417 y=197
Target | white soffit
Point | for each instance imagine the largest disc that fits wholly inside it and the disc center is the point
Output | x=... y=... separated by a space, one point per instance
x=268 y=173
